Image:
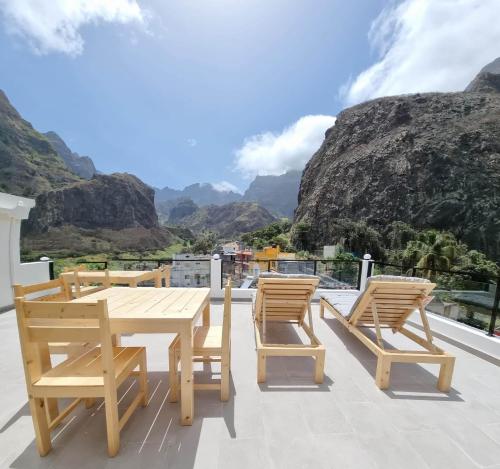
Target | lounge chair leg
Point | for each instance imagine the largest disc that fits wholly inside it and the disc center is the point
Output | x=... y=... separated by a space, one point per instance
x=261 y=367
x=319 y=367
x=445 y=374
x=383 y=373
x=143 y=379
x=172 y=373
x=89 y=402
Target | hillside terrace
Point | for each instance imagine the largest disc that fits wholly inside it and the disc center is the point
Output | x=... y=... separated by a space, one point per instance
x=288 y=421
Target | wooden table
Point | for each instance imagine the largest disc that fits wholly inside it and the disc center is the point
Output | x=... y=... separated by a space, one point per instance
x=122 y=277
x=160 y=310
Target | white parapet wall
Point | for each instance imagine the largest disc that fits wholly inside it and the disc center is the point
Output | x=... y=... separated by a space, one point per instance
x=13 y=209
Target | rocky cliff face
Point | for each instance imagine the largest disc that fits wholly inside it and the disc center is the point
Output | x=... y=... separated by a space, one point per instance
x=28 y=163
x=278 y=194
x=115 y=202
x=82 y=166
x=431 y=160
x=200 y=194
x=228 y=221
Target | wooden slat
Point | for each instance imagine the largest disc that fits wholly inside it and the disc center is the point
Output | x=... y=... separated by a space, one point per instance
x=42 y=309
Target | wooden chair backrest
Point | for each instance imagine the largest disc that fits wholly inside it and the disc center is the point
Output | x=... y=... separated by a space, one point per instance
x=394 y=302
x=226 y=320
x=166 y=272
x=100 y=282
x=41 y=322
x=69 y=278
x=55 y=290
x=285 y=299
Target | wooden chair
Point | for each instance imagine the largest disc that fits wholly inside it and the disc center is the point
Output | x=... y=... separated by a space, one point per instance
x=286 y=299
x=97 y=373
x=54 y=290
x=84 y=288
x=387 y=302
x=211 y=344
x=166 y=272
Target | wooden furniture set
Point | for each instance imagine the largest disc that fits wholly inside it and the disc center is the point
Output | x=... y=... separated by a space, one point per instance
x=58 y=321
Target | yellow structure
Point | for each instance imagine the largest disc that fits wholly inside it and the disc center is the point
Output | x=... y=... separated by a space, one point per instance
x=266 y=259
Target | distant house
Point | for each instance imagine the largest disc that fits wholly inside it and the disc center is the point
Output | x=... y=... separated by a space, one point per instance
x=190 y=270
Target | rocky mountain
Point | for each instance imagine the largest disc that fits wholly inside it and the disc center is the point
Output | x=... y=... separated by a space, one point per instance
x=200 y=194
x=228 y=221
x=430 y=160
x=82 y=166
x=487 y=80
x=116 y=209
x=174 y=211
x=278 y=194
x=28 y=163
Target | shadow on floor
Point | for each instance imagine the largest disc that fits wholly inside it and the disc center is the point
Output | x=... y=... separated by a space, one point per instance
x=290 y=373
x=152 y=438
x=409 y=381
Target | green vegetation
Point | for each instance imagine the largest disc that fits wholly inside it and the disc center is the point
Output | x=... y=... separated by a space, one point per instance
x=276 y=233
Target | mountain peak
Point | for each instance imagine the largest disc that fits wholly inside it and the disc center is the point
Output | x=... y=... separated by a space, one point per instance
x=487 y=80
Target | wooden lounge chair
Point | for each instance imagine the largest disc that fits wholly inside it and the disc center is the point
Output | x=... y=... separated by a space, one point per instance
x=286 y=299
x=53 y=290
x=97 y=373
x=211 y=344
x=387 y=302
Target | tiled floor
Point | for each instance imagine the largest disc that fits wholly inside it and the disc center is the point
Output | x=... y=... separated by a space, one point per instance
x=287 y=423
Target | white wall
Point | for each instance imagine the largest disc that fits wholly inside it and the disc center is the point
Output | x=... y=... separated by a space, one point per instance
x=13 y=209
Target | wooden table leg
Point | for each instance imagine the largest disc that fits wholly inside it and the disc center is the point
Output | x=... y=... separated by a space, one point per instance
x=187 y=394
x=206 y=315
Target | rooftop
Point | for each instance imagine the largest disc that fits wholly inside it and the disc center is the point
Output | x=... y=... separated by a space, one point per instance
x=289 y=422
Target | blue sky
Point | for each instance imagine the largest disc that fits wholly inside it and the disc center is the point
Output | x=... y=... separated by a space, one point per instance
x=173 y=91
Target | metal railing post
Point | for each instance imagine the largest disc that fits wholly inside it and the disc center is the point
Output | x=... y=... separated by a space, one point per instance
x=315 y=266
x=494 y=311
x=51 y=270
x=366 y=271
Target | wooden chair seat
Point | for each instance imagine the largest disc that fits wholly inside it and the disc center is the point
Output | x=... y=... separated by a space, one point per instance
x=87 y=370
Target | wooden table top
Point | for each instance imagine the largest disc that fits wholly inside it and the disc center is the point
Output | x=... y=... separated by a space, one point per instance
x=144 y=309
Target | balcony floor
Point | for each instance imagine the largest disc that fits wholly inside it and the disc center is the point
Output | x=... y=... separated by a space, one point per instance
x=287 y=423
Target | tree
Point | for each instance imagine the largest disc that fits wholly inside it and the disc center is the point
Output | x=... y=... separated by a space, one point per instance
x=205 y=243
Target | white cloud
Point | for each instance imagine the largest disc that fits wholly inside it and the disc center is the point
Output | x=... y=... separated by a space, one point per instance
x=192 y=142
x=225 y=186
x=272 y=153
x=428 y=45
x=54 y=25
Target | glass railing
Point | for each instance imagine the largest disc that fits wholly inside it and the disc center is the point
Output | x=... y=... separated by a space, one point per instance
x=465 y=297
x=333 y=274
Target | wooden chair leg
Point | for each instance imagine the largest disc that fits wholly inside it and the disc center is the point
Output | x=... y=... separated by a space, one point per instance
x=89 y=402
x=224 y=381
x=445 y=374
x=143 y=380
x=319 y=367
x=321 y=310
x=383 y=373
x=40 y=423
x=173 y=375
x=112 y=423
x=261 y=366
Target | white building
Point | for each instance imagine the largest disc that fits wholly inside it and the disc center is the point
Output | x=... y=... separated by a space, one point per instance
x=190 y=270
x=13 y=209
